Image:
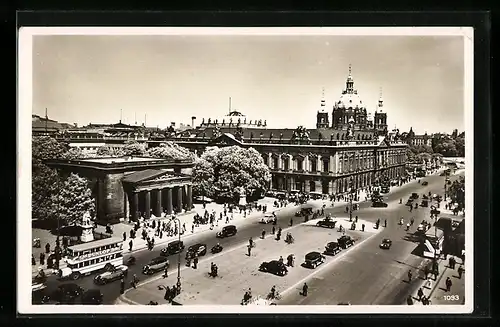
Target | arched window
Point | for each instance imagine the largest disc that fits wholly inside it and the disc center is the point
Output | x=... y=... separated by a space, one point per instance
x=338 y=135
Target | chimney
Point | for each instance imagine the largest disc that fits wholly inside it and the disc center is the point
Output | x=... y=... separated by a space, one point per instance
x=192 y=121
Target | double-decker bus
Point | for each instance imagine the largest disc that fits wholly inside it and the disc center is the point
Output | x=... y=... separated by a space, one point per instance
x=83 y=259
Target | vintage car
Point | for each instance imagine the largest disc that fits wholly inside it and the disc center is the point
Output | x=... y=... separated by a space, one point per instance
x=67 y=293
x=196 y=250
x=267 y=219
x=425 y=183
x=332 y=248
x=327 y=222
x=112 y=274
x=386 y=244
x=345 y=241
x=173 y=248
x=313 y=259
x=274 y=267
x=155 y=265
x=414 y=195
x=92 y=297
x=304 y=212
x=315 y=195
x=229 y=230
x=379 y=204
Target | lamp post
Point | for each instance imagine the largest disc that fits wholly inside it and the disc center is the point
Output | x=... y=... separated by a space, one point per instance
x=350 y=198
x=178 y=255
x=445 y=178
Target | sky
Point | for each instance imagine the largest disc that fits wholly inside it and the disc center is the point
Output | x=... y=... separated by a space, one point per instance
x=170 y=78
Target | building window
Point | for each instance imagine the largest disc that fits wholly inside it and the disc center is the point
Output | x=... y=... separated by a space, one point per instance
x=266 y=160
x=275 y=163
x=314 y=165
x=285 y=164
x=325 y=165
x=299 y=164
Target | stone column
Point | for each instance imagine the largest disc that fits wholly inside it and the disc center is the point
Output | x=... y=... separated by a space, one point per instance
x=180 y=194
x=169 y=201
x=125 y=206
x=269 y=160
x=306 y=165
x=189 y=197
x=101 y=198
x=147 y=204
x=307 y=186
x=158 y=208
x=134 y=205
x=332 y=164
x=290 y=163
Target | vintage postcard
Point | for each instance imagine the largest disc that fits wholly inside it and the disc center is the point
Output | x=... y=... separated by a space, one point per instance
x=237 y=170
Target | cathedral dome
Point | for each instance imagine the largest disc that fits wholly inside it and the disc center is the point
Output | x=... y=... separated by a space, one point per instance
x=349 y=100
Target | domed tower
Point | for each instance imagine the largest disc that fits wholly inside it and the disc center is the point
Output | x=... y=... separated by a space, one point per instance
x=380 y=118
x=322 y=115
x=348 y=107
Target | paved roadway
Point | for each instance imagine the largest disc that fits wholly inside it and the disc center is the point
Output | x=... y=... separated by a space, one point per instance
x=251 y=229
x=368 y=274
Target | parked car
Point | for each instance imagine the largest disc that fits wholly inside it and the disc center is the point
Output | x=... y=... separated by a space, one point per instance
x=385 y=244
x=173 y=248
x=267 y=219
x=229 y=230
x=314 y=259
x=274 y=267
x=304 y=212
x=315 y=195
x=196 y=250
x=67 y=293
x=92 y=297
x=345 y=241
x=414 y=195
x=332 y=248
x=379 y=204
x=425 y=183
x=155 y=265
x=328 y=223
x=424 y=203
x=115 y=273
x=40 y=296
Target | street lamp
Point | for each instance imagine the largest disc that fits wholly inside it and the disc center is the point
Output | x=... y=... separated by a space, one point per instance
x=179 y=254
x=350 y=198
x=445 y=178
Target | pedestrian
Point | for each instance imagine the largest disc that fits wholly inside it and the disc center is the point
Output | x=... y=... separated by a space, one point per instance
x=448 y=284
x=409 y=275
x=304 y=289
x=165 y=274
x=47 y=248
x=385 y=222
x=453 y=262
x=273 y=230
x=122 y=286
x=420 y=294
x=33 y=261
x=195 y=262
x=263 y=234
x=362 y=227
x=356 y=219
x=130 y=246
x=249 y=250
x=192 y=228
x=409 y=300
x=42 y=258
x=291 y=221
x=425 y=300
x=134 y=281
x=426 y=271
x=460 y=272
x=168 y=294
x=281 y=259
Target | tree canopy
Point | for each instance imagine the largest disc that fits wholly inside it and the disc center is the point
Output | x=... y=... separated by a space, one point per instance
x=170 y=150
x=220 y=172
x=73 y=200
x=134 y=148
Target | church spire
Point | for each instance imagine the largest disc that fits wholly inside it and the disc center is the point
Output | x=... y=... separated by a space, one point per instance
x=380 y=100
x=323 y=99
x=350 y=82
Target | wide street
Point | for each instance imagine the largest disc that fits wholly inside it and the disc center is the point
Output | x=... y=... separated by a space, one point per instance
x=363 y=276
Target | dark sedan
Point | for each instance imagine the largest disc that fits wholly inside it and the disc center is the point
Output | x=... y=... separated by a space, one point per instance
x=425 y=183
x=386 y=244
x=274 y=267
x=196 y=250
x=114 y=273
x=328 y=223
x=67 y=293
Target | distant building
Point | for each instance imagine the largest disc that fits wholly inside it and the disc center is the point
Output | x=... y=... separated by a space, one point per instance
x=412 y=139
x=45 y=126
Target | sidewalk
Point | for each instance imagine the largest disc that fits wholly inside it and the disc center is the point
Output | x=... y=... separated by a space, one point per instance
x=435 y=290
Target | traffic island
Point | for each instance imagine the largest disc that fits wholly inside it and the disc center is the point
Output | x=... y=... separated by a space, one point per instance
x=238 y=272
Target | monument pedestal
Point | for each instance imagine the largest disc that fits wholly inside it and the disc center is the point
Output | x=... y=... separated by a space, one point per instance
x=87 y=233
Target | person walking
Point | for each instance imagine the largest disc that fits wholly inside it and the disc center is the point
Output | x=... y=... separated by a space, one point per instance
x=130 y=244
x=195 y=262
x=409 y=275
x=362 y=227
x=409 y=300
x=448 y=284
x=385 y=222
x=124 y=236
x=249 y=250
x=420 y=294
x=263 y=234
x=460 y=272
x=122 y=286
x=42 y=258
x=33 y=261
x=273 y=230
x=304 y=289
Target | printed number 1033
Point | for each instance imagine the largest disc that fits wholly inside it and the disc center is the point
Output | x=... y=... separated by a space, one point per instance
x=451 y=297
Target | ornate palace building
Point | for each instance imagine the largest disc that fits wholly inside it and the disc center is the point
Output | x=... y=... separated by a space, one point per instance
x=353 y=149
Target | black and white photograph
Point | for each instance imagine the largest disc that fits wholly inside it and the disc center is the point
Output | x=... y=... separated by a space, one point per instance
x=240 y=170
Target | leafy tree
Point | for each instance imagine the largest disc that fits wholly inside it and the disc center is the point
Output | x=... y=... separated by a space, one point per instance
x=447 y=148
x=73 y=200
x=134 y=148
x=107 y=151
x=222 y=171
x=170 y=150
x=46 y=147
x=456 y=191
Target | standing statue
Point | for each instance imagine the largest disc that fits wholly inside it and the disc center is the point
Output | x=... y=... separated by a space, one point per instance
x=265 y=122
x=239 y=121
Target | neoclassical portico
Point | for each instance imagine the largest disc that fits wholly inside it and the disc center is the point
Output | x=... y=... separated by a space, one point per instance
x=156 y=192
